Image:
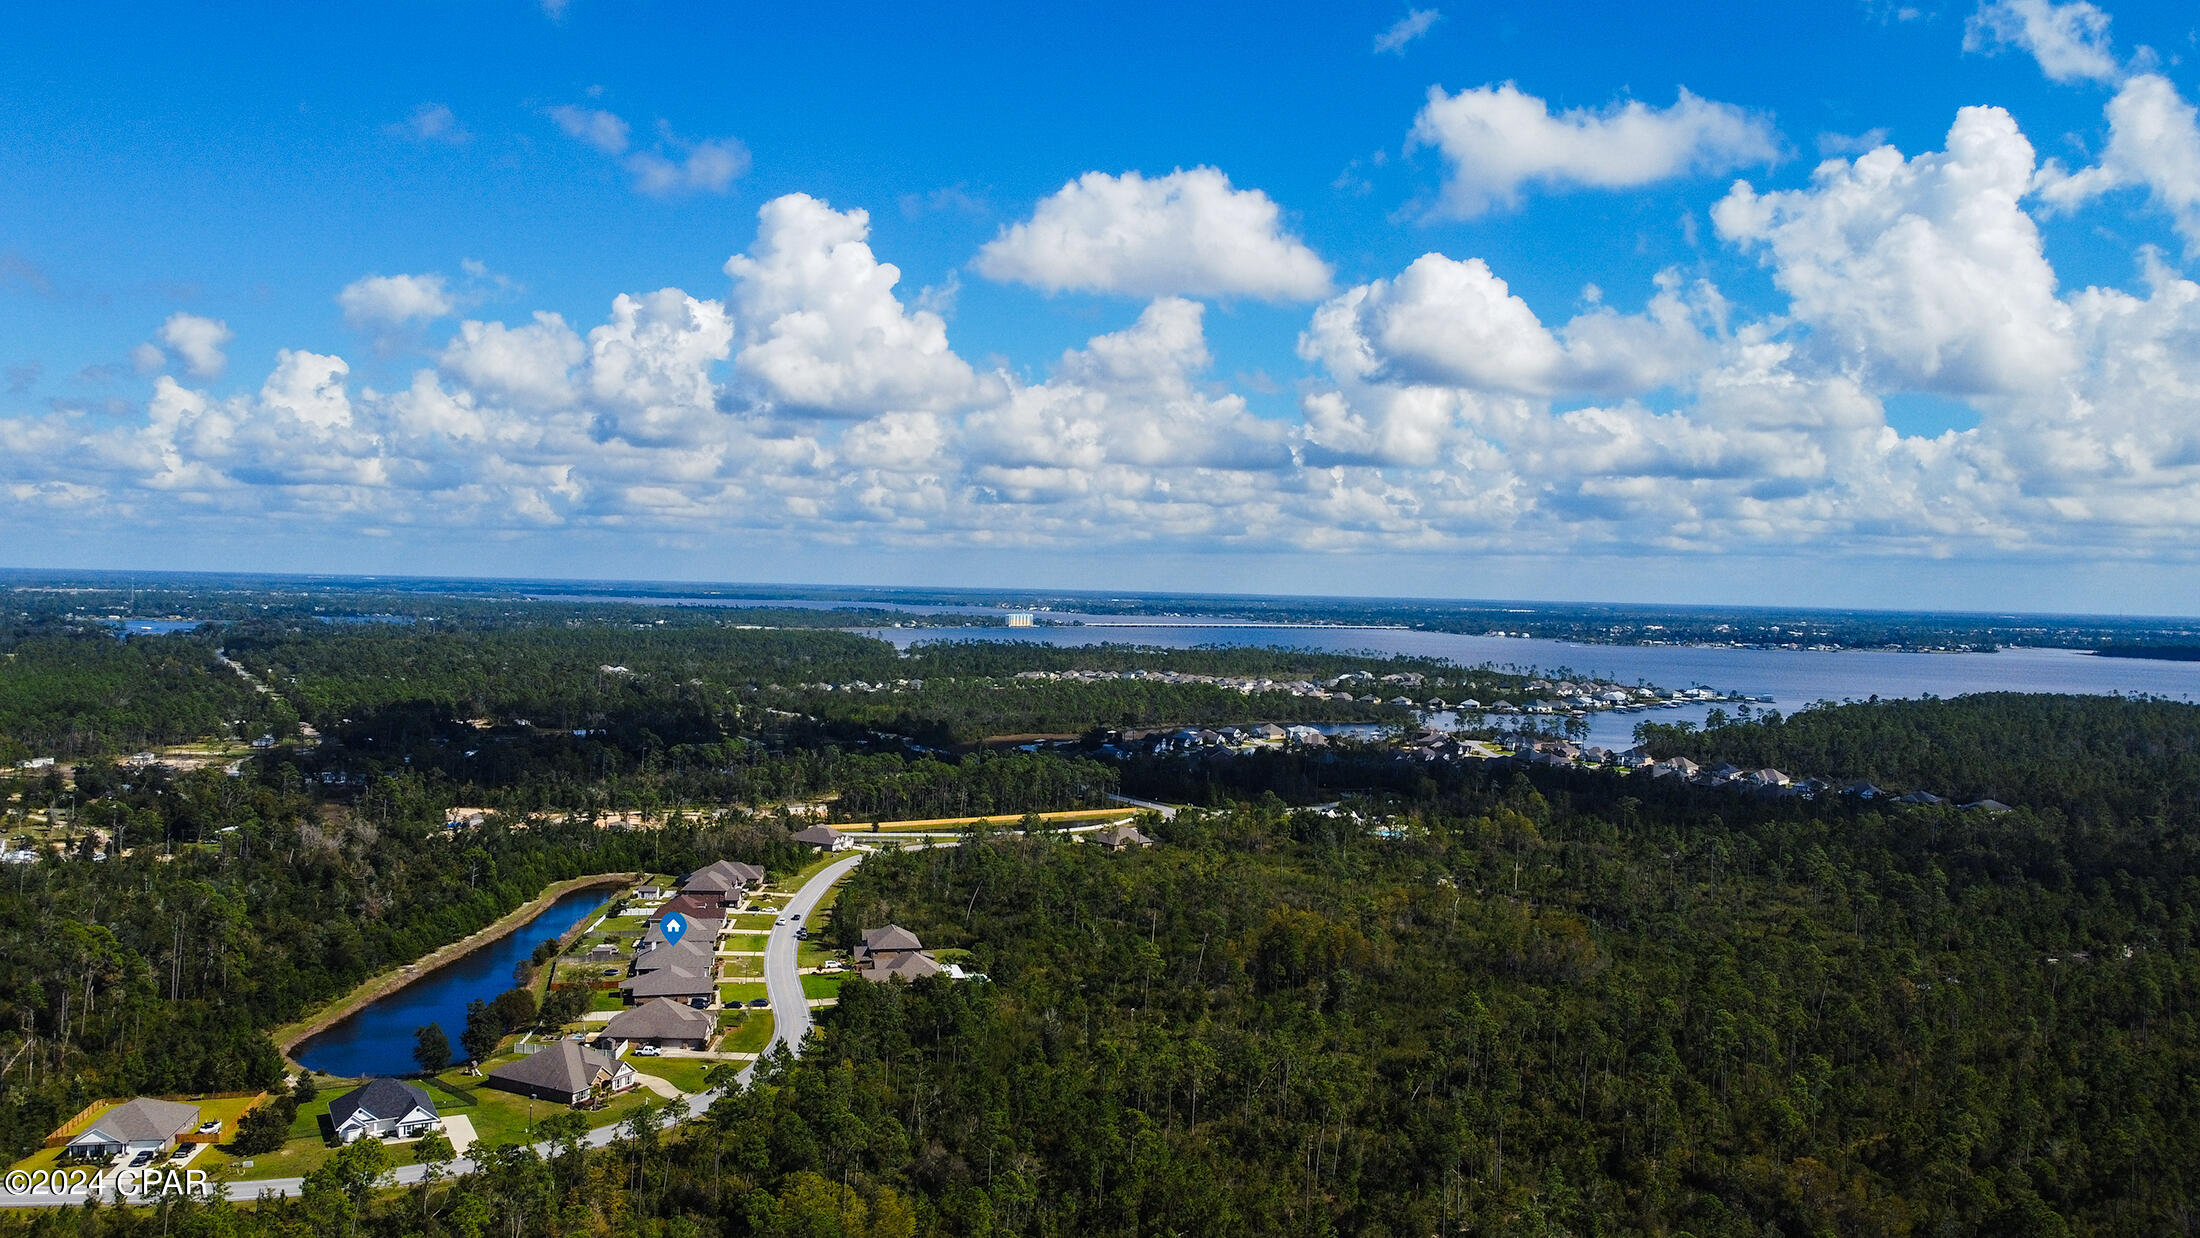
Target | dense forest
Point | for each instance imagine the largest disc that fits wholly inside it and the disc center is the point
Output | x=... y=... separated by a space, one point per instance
x=2091 y=758
x=1507 y=1007
x=1452 y=997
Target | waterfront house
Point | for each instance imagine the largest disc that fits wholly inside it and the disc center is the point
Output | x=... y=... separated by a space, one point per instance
x=565 y=1072
x=684 y=984
x=135 y=1126
x=723 y=882
x=694 y=955
x=701 y=930
x=664 y=1023
x=385 y=1109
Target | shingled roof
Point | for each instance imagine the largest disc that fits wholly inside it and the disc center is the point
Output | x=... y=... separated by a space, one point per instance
x=565 y=1067
x=690 y=953
x=662 y=1019
x=674 y=981
x=908 y=965
x=892 y=937
x=143 y=1120
x=382 y=1099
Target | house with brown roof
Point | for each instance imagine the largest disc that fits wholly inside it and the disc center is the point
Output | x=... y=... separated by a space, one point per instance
x=565 y=1072
x=1121 y=837
x=723 y=882
x=664 y=1023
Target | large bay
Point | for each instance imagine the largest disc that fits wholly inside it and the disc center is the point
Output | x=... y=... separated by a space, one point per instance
x=1792 y=678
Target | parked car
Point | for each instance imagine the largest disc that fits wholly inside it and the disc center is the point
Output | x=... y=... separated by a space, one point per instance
x=761 y=1001
x=649 y=1051
x=142 y=1159
x=802 y=934
x=185 y=1153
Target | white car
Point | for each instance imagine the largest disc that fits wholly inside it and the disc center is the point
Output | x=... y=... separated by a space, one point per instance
x=649 y=1051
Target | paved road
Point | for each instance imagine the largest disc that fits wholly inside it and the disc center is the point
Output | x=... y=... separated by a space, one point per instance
x=790 y=1023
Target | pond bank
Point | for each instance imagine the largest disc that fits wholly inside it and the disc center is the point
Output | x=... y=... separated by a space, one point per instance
x=289 y=1036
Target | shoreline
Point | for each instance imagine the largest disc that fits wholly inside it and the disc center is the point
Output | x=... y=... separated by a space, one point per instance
x=290 y=1035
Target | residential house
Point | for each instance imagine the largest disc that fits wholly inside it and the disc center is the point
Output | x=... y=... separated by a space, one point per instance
x=134 y=1126
x=693 y=906
x=824 y=836
x=909 y=965
x=722 y=883
x=1121 y=837
x=664 y=1023
x=1985 y=806
x=566 y=1072
x=385 y=1109
x=694 y=955
x=1675 y=767
x=1271 y=732
x=1863 y=791
x=701 y=930
x=684 y=984
x=1919 y=797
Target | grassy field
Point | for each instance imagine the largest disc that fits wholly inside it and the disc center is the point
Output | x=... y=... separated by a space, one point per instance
x=741 y=991
x=811 y=954
x=752 y=965
x=607 y=999
x=744 y=941
x=821 y=986
x=1006 y=822
x=754 y=1033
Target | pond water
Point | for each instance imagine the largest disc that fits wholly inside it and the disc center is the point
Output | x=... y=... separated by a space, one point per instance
x=377 y=1038
x=1791 y=678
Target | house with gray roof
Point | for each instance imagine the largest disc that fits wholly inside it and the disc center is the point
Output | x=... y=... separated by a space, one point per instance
x=385 y=1109
x=676 y=982
x=565 y=1072
x=690 y=953
x=908 y=964
x=824 y=836
x=664 y=1023
x=134 y=1126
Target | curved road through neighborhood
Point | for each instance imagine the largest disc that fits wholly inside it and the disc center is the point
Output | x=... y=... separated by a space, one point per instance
x=790 y=1024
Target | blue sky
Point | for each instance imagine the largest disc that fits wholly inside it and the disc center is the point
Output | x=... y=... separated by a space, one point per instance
x=1849 y=303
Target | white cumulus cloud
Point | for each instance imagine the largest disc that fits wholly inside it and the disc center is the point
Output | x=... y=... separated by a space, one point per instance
x=824 y=332
x=1499 y=140
x=2070 y=41
x=1188 y=233
x=605 y=131
x=2154 y=142
x=1924 y=273
x=392 y=300
x=199 y=341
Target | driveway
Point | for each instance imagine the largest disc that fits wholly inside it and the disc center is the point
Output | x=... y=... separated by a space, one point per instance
x=790 y=1023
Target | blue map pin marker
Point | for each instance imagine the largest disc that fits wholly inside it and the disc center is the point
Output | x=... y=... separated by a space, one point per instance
x=674 y=927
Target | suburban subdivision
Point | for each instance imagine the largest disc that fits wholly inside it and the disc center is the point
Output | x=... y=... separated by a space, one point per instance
x=541 y=916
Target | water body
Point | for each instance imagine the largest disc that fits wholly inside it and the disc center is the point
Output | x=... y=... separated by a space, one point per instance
x=1792 y=678
x=377 y=1038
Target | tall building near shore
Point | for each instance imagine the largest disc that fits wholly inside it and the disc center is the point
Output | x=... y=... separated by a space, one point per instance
x=1020 y=619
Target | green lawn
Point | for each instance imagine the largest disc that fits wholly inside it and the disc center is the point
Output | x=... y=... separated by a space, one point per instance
x=742 y=991
x=749 y=966
x=821 y=986
x=811 y=954
x=501 y=1117
x=744 y=941
x=607 y=999
x=751 y=1036
x=684 y=1073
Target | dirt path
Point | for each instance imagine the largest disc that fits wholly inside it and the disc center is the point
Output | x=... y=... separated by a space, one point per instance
x=287 y=1037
